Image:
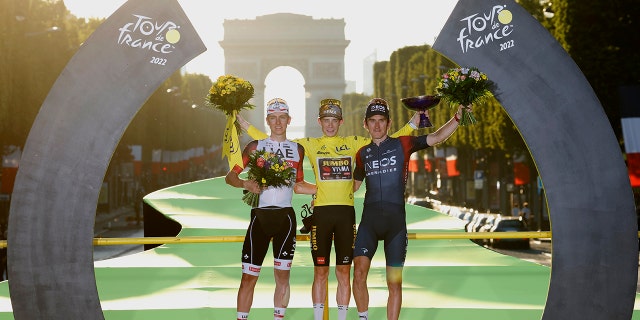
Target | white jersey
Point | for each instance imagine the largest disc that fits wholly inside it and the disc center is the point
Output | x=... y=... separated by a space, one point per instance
x=293 y=153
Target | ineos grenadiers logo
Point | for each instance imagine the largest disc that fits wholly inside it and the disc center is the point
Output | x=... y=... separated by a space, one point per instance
x=147 y=34
x=484 y=28
x=377 y=107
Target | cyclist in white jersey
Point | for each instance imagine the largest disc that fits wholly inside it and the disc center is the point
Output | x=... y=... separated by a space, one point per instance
x=273 y=220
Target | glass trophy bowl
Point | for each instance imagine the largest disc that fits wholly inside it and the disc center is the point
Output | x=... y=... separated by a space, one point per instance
x=422 y=103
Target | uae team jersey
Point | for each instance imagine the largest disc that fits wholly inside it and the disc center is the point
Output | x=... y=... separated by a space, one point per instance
x=332 y=161
x=385 y=167
x=293 y=153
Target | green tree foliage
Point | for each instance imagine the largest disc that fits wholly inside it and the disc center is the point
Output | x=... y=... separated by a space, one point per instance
x=353 y=108
x=414 y=71
x=602 y=38
x=35 y=47
x=175 y=116
x=39 y=37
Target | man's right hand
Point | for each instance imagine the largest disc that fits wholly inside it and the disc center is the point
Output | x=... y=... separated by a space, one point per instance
x=251 y=186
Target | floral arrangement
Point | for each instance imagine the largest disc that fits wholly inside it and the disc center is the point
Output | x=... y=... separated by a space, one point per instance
x=268 y=170
x=464 y=86
x=230 y=93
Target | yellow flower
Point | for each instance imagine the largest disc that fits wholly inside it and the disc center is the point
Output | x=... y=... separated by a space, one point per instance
x=229 y=94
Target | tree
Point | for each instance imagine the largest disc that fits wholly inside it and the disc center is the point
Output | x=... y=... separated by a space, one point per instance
x=599 y=37
x=35 y=48
x=353 y=107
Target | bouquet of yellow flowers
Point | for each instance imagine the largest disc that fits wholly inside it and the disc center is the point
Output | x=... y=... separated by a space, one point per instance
x=464 y=86
x=268 y=170
x=230 y=95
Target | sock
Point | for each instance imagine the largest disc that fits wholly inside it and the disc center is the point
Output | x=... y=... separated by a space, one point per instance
x=318 y=311
x=243 y=315
x=342 y=312
x=363 y=315
x=278 y=313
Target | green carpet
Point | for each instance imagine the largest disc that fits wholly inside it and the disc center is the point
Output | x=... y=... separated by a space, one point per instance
x=443 y=279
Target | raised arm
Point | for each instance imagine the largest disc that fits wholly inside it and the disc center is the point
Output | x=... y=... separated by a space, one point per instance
x=444 y=132
x=408 y=127
x=251 y=130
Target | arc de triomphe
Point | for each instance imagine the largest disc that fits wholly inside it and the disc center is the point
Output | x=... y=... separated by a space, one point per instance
x=314 y=47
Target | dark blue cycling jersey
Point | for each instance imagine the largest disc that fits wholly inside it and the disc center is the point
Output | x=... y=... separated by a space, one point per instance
x=385 y=167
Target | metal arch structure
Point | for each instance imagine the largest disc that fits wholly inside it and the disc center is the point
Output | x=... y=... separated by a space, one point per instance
x=69 y=148
x=595 y=240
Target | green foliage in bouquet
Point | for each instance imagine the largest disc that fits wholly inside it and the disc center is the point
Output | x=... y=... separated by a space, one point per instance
x=464 y=86
x=268 y=170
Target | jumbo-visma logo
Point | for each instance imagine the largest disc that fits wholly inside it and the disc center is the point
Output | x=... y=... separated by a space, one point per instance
x=145 y=33
x=484 y=28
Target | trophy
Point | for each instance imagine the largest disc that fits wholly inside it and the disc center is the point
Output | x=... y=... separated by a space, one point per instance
x=421 y=103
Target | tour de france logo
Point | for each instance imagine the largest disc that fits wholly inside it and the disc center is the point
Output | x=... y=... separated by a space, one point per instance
x=485 y=28
x=148 y=34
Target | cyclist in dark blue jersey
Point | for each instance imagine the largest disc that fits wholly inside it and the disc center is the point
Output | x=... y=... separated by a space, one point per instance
x=383 y=163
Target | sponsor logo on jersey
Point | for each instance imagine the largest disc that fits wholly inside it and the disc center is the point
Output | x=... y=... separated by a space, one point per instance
x=335 y=168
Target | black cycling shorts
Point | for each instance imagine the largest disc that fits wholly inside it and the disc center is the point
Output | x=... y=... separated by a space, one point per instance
x=265 y=225
x=333 y=223
x=383 y=221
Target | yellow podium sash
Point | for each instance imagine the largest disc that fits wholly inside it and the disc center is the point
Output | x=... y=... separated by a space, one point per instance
x=231 y=142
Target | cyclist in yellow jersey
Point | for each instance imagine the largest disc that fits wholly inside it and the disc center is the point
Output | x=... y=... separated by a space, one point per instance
x=331 y=157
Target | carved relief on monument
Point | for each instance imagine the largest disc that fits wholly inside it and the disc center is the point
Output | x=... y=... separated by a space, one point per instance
x=327 y=70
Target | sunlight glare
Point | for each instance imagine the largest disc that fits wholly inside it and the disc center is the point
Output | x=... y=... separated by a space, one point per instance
x=288 y=83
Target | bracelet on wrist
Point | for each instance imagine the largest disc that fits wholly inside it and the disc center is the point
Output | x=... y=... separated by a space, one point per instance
x=455 y=116
x=412 y=125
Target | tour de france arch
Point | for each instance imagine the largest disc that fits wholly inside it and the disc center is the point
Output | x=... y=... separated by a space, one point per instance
x=590 y=201
x=314 y=47
x=595 y=245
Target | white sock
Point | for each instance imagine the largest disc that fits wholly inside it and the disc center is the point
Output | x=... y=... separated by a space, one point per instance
x=342 y=312
x=318 y=311
x=363 y=315
x=278 y=313
x=243 y=315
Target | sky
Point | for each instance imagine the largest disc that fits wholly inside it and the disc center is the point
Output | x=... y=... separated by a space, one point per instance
x=372 y=27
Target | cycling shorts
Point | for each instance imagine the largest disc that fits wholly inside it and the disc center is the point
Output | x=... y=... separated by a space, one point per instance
x=277 y=225
x=333 y=223
x=387 y=222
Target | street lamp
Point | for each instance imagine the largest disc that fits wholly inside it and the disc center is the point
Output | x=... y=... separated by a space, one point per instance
x=35 y=33
x=547 y=11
